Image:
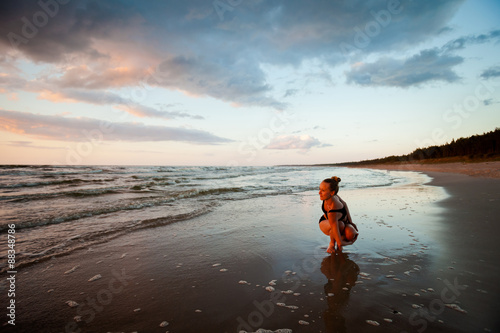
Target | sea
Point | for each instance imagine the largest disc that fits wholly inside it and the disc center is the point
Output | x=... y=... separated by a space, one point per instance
x=54 y=210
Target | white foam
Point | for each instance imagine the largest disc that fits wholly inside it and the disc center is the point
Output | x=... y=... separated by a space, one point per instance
x=71 y=270
x=455 y=307
x=95 y=277
x=372 y=322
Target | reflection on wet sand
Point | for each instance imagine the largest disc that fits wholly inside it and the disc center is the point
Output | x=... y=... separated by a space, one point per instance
x=342 y=274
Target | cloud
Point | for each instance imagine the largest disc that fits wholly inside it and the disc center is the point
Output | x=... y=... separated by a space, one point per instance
x=428 y=65
x=28 y=144
x=237 y=81
x=61 y=32
x=490 y=73
x=12 y=82
x=290 y=92
x=460 y=43
x=121 y=103
x=490 y=101
x=99 y=78
x=59 y=93
x=20 y=143
x=112 y=44
x=87 y=129
x=142 y=111
x=302 y=142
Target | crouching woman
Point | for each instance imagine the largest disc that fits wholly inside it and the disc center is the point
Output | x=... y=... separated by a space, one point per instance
x=336 y=221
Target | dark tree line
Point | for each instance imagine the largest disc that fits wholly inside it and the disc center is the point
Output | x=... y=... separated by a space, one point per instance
x=482 y=146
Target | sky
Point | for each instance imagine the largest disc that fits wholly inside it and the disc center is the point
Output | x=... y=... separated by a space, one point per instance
x=243 y=82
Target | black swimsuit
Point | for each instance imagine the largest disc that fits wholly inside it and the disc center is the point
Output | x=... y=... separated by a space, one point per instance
x=343 y=218
x=342 y=210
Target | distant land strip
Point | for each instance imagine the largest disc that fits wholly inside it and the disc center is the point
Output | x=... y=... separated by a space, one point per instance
x=474 y=149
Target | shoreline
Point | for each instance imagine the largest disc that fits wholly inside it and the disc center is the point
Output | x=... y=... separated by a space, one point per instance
x=480 y=169
x=211 y=273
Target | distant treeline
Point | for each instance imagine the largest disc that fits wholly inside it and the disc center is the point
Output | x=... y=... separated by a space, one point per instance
x=485 y=146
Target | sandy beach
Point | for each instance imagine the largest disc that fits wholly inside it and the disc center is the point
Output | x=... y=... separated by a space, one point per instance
x=163 y=165
x=480 y=169
x=426 y=260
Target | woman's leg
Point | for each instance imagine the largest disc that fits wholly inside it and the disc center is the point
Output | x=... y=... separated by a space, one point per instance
x=350 y=233
x=325 y=227
x=347 y=231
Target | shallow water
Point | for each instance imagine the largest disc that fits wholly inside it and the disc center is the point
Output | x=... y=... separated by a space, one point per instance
x=57 y=209
x=188 y=273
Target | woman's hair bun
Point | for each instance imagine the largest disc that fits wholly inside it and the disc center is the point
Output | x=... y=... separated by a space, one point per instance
x=337 y=179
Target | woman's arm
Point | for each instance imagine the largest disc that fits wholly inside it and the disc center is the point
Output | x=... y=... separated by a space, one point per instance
x=335 y=232
x=334 y=229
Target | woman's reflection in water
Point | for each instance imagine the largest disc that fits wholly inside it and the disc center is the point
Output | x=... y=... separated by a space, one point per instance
x=342 y=274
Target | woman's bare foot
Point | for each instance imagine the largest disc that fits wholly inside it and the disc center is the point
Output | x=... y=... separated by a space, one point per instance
x=331 y=248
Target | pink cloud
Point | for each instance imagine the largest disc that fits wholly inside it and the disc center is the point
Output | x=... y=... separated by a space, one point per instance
x=85 y=129
x=88 y=78
x=302 y=142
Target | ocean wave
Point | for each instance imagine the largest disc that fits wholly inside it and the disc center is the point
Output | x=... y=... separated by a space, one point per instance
x=61 y=201
x=116 y=206
x=77 y=215
x=85 y=240
x=46 y=183
x=210 y=195
x=52 y=195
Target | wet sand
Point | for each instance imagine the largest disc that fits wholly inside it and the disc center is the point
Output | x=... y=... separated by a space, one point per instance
x=480 y=169
x=426 y=260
